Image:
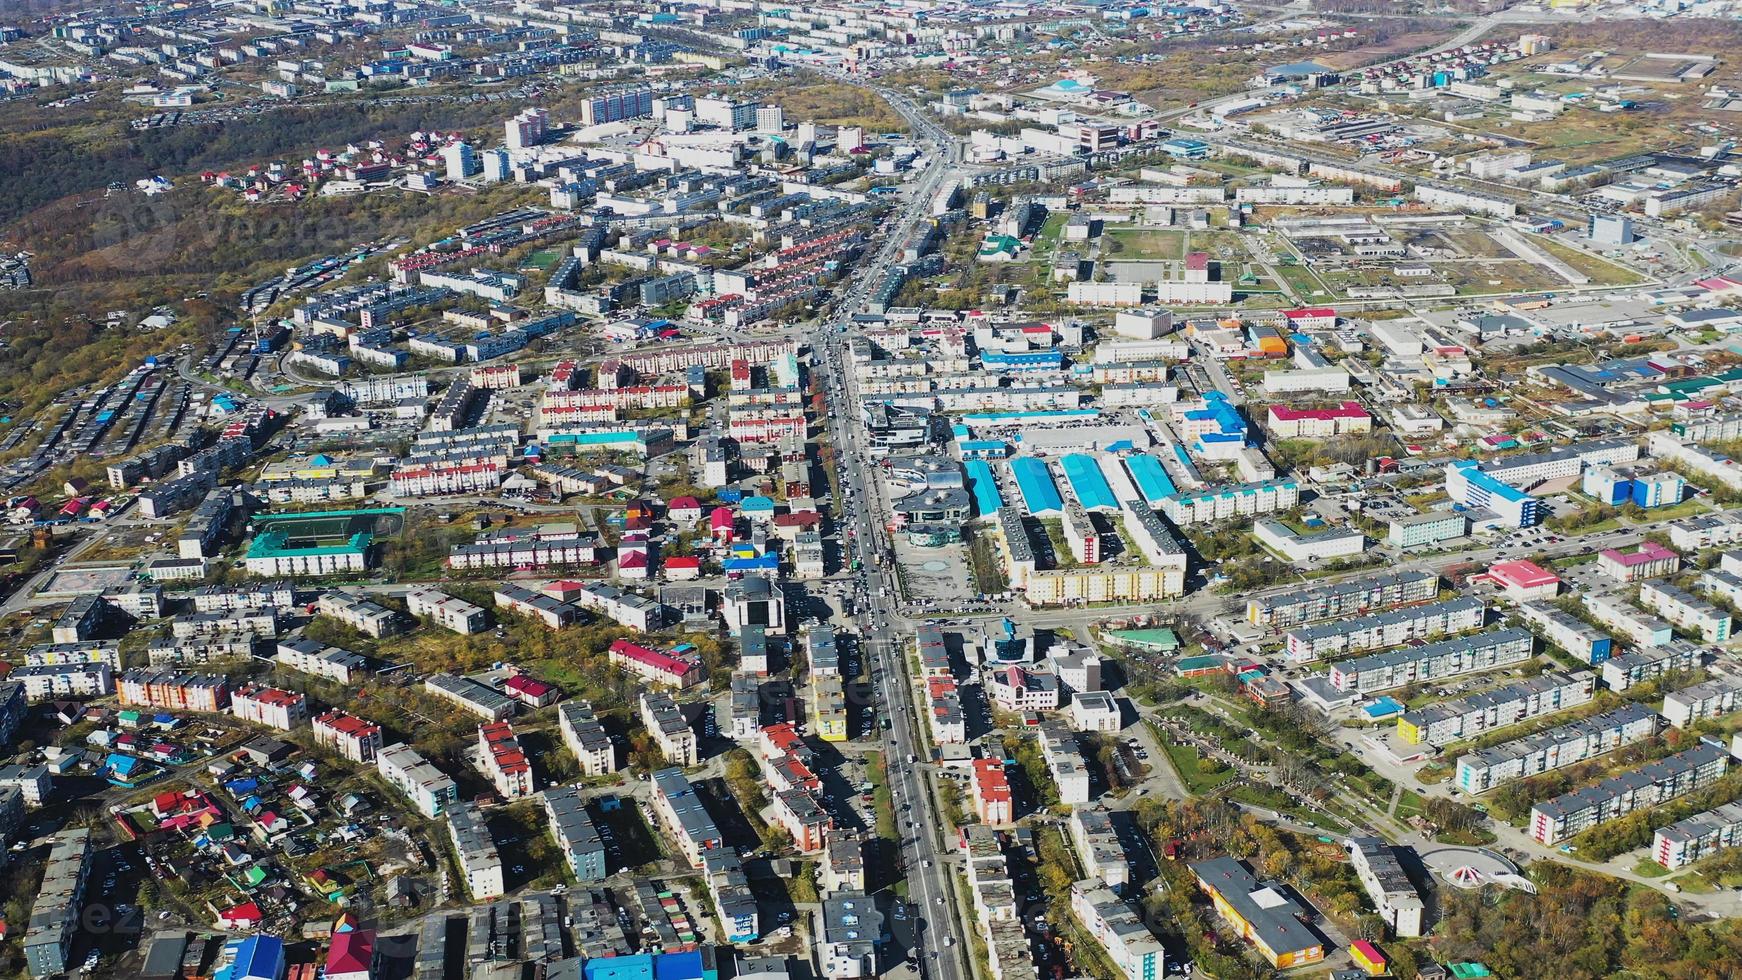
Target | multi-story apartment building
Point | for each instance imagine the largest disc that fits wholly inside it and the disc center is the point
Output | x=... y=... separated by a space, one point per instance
x=504 y=761
x=269 y=706
x=1621 y=673
x=656 y=667
x=1386 y=629
x=993 y=802
x=1445 y=658
x=424 y=785
x=586 y=738
x=576 y=834
x=1714 y=698
x=1701 y=835
x=1354 y=597
x=1570 y=633
x=485 y=702
x=351 y=737
x=175 y=690
x=1657 y=782
x=682 y=817
x=1467 y=717
x=311 y=657
x=480 y=863
x=671 y=731
x=368 y=618
x=1686 y=610
x=1387 y=885
x=73 y=680
x=1058 y=747
x=55 y=911
x=1634 y=625
x=447 y=611
x=1098 y=847
x=1564 y=745
x=1134 y=950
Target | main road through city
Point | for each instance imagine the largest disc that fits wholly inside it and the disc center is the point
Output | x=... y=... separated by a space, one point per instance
x=919 y=828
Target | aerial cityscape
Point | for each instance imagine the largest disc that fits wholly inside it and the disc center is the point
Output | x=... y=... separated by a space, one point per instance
x=931 y=490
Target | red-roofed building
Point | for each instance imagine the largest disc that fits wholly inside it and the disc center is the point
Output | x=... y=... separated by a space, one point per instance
x=269 y=706
x=722 y=524
x=504 y=761
x=348 y=735
x=1523 y=580
x=992 y=797
x=244 y=916
x=790 y=524
x=682 y=568
x=1649 y=560
x=1368 y=958
x=352 y=955
x=684 y=510
x=531 y=692
x=656 y=667
x=1318 y=423
x=1315 y=318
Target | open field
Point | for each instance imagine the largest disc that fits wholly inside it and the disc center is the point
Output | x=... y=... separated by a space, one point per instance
x=1143 y=244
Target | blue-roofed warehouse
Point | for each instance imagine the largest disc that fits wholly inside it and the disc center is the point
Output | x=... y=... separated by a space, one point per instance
x=1086 y=480
x=1039 y=493
x=1151 y=478
x=984 y=485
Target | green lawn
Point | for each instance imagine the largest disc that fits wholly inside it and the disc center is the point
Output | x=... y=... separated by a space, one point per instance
x=1409 y=804
x=1301 y=281
x=1185 y=760
x=1647 y=868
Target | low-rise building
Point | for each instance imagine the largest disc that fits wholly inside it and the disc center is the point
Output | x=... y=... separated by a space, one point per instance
x=1648 y=560
x=1262 y=914
x=1095 y=711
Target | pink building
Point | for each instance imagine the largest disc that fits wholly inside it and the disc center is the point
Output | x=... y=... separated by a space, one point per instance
x=1649 y=560
x=1524 y=580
